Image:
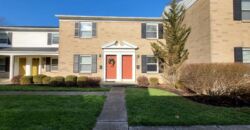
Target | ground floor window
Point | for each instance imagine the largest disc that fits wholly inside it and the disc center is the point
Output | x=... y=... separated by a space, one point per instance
x=54 y=64
x=152 y=64
x=246 y=55
x=85 y=64
x=2 y=64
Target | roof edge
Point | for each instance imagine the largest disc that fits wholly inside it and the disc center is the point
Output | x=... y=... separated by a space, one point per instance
x=29 y=28
x=108 y=18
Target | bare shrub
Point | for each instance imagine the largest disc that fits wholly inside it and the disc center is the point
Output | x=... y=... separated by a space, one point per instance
x=216 y=79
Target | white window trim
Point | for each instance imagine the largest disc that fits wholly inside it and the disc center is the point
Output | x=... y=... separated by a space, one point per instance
x=51 y=64
x=85 y=72
x=157 y=65
x=157 y=30
x=52 y=38
x=86 y=31
x=2 y=71
x=7 y=38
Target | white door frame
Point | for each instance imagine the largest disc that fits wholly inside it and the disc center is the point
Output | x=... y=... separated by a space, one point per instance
x=119 y=53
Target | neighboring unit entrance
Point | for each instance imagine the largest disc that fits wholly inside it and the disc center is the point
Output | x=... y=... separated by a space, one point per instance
x=127 y=67
x=22 y=66
x=35 y=66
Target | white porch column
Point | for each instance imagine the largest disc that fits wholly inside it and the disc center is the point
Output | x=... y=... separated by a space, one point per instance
x=11 y=67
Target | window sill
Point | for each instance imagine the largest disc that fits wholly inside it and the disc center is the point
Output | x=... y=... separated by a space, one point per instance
x=153 y=72
x=245 y=21
x=152 y=38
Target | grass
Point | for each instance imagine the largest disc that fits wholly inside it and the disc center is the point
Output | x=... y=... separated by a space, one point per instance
x=153 y=107
x=49 y=112
x=47 y=88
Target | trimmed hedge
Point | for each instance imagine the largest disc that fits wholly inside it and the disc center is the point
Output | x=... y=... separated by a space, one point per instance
x=154 y=82
x=57 y=81
x=26 y=80
x=82 y=81
x=71 y=80
x=16 y=79
x=94 y=81
x=142 y=81
x=46 y=80
x=38 y=79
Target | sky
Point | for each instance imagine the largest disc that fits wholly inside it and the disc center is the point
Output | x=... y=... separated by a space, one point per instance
x=42 y=12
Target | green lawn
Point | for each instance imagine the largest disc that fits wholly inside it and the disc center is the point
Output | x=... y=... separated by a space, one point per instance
x=44 y=88
x=49 y=112
x=156 y=107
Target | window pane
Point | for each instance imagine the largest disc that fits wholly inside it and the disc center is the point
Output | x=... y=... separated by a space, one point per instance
x=246 y=56
x=151 y=34
x=55 y=38
x=86 y=34
x=54 y=61
x=151 y=28
x=245 y=5
x=152 y=68
x=2 y=61
x=85 y=68
x=2 y=68
x=151 y=60
x=3 y=38
x=86 y=26
x=246 y=15
x=86 y=60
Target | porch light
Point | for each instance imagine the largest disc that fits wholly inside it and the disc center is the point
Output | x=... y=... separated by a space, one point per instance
x=138 y=56
x=100 y=55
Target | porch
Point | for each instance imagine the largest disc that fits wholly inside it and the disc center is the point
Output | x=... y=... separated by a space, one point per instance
x=27 y=61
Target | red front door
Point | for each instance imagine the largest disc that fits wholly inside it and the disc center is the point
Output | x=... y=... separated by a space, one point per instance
x=111 y=63
x=127 y=67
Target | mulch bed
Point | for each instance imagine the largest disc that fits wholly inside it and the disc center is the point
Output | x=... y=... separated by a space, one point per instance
x=226 y=101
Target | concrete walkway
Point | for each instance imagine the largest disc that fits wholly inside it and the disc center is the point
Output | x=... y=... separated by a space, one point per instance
x=57 y=93
x=114 y=113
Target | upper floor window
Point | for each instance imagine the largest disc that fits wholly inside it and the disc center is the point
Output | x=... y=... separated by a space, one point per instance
x=152 y=31
x=245 y=8
x=4 y=38
x=86 y=30
x=55 y=38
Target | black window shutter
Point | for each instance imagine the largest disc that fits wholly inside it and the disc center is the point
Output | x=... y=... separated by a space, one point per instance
x=7 y=64
x=94 y=30
x=160 y=31
x=76 y=67
x=238 y=55
x=237 y=10
x=48 y=69
x=94 y=64
x=77 y=29
x=144 y=63
x=49 y=38
x=143 y=30
x=161 y=67
x=9 y=38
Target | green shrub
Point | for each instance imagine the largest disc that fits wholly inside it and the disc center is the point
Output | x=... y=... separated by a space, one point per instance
x=26 y=80
x=38 y=79
x=46 y=80
x=57 y=81
x=142 y=81
x=154 y=82
x=94 y=81
x=71 y=80
x=16 y=79
x=82 y=81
